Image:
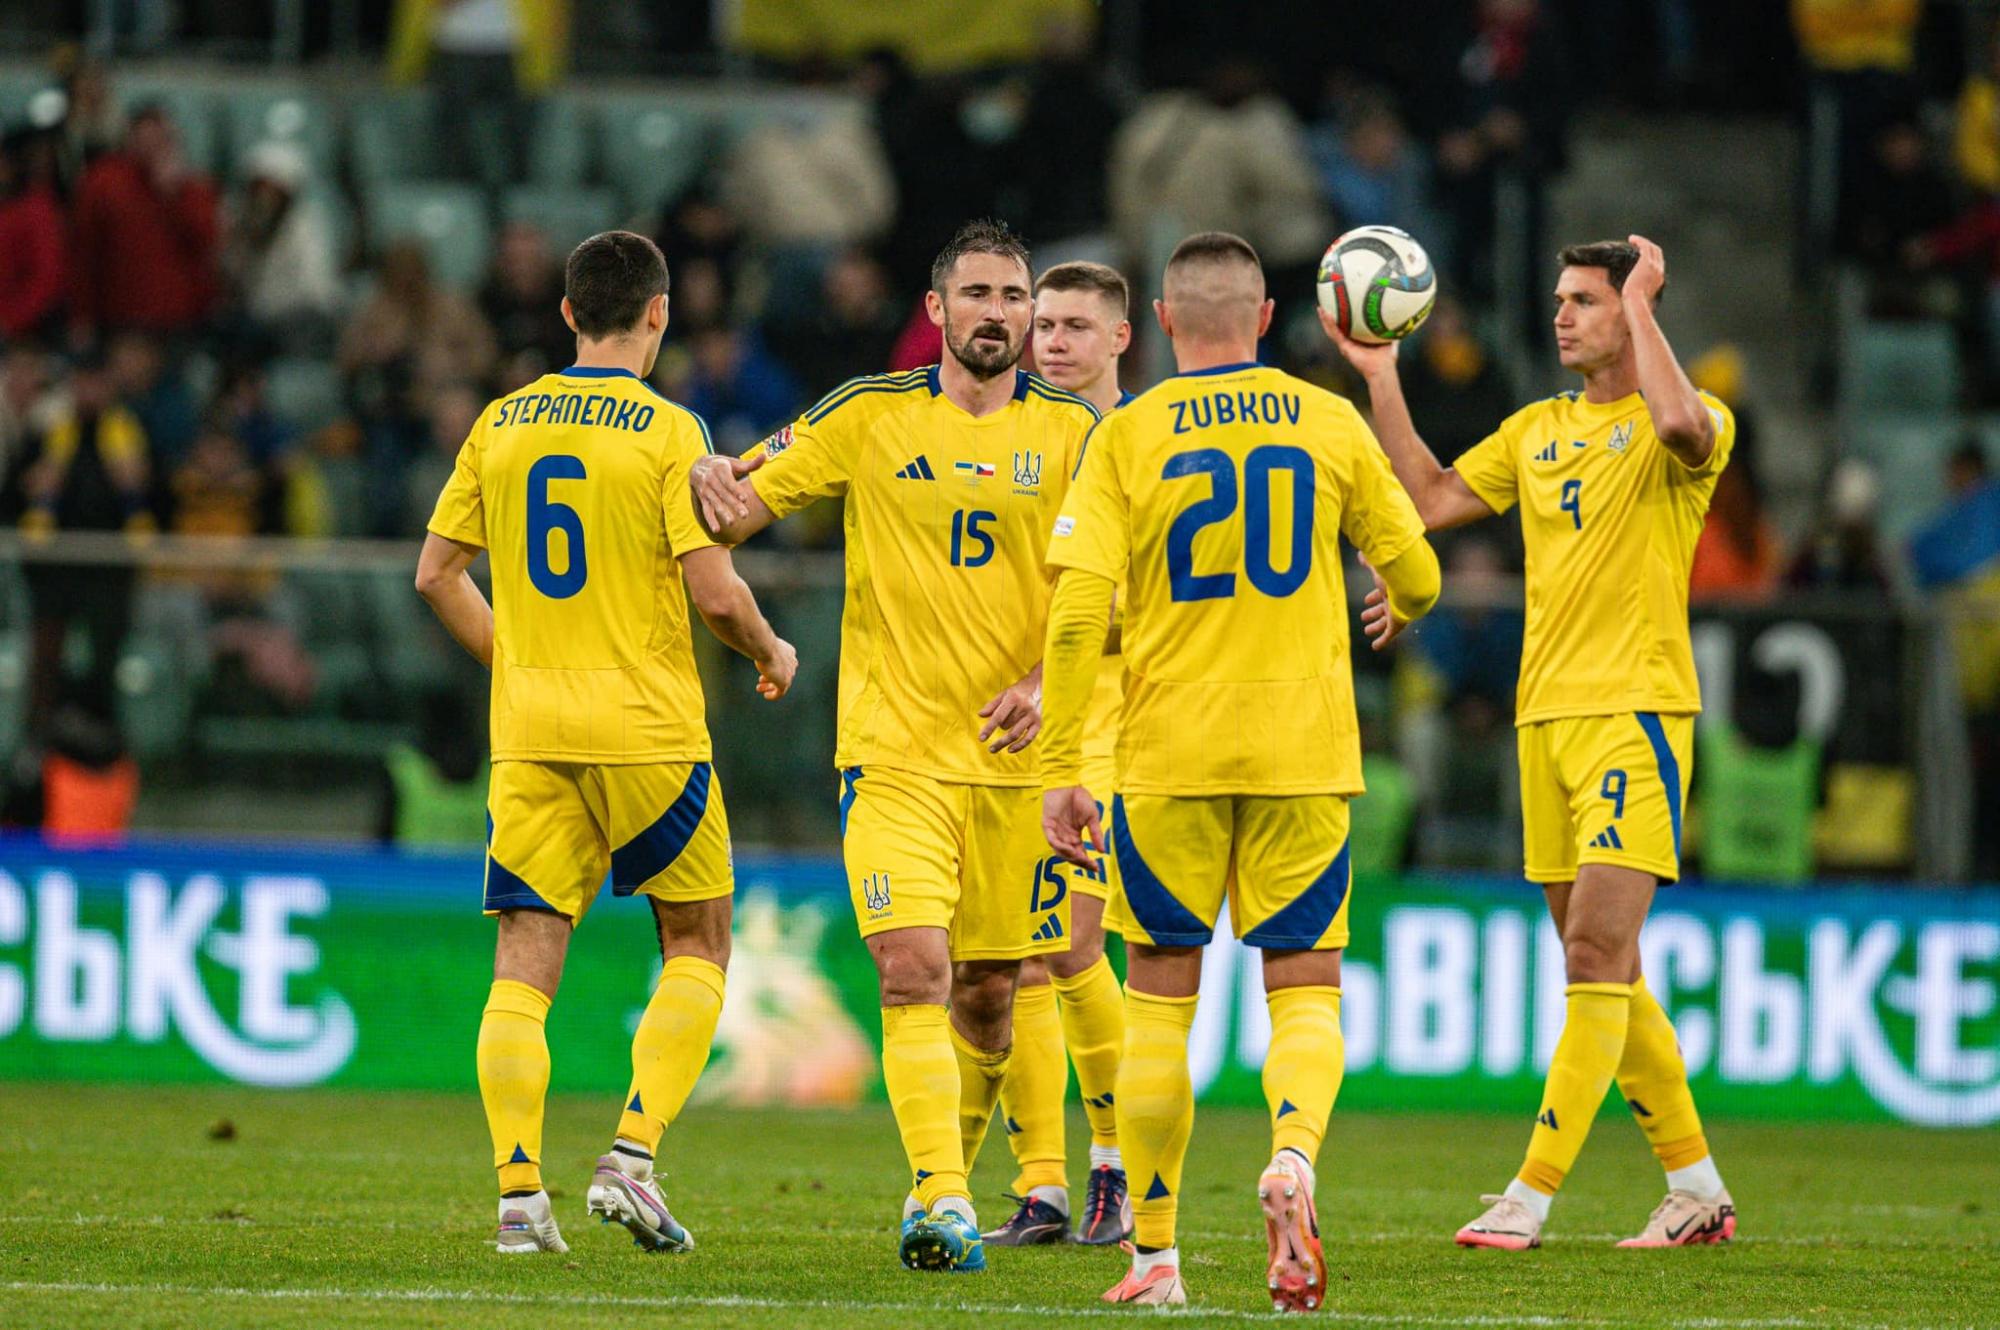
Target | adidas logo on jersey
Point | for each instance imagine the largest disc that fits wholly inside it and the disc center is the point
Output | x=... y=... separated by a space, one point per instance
x=1608 y=840
x=918 y=470
x=1547 y=454
x=1050 y=930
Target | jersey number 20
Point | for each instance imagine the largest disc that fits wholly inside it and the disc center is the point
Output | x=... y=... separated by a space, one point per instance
x=544 y=516
x=1183 y=582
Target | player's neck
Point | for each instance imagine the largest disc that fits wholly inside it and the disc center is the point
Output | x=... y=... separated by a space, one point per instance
x=973 y=395
x=1191 y=357
x=613 y=353
x=1616 y=380
x=1104 y=392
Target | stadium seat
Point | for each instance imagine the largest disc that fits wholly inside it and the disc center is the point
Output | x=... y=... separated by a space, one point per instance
x=304 y=392
x=294 y=115
x=391 y=137
x=651 y=150
x=1905 y=366
x=1908 y=452
x=565 y=216
x=559 y=153
x=195 y=112
x=448 y=219
x=155 y=696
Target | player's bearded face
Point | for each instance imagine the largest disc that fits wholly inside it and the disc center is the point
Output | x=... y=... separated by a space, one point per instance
x=986 y=314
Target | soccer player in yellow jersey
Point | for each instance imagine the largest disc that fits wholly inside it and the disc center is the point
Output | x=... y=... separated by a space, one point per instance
x=951 y=475
x=1613 y=483
x=576 y=484
x=1081 y=328
x=1218 y=499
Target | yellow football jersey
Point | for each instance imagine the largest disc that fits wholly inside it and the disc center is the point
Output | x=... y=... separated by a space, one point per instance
x=577 y=486
x=945 y=518
x=1610 y=519
x=1218 y=499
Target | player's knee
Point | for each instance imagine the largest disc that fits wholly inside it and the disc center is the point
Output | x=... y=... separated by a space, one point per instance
x=982 y=997
x=1082 y=954
x=909 y=977
x=694 y=928
x=1035 y=972
x=1590 y=958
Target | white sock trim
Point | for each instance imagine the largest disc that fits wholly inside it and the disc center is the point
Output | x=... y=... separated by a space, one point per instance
x=1056 y=1196
x=1537 y=1203
x=1107 y=1156
x=962 y=1205
x=1699 y=1178
x=1145 y=1262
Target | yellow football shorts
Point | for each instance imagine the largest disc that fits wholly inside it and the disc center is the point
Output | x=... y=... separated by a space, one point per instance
x=1281 y=862
x=970 y=859
x=1604 y=790
x=555 y=829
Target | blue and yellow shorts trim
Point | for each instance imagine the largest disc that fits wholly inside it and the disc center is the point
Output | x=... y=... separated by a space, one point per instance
x=1604 y=790
x=557 y=830
x=970 y=859
x=1281 y=862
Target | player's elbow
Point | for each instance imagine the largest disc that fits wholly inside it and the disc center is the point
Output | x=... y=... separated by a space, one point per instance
x=721 y=601
x=431 y=582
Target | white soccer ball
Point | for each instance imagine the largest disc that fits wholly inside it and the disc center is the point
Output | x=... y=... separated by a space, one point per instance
x=1377 y=283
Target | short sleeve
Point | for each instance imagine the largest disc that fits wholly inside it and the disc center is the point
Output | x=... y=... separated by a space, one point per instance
x=808 y=462
x=1725 y=442
x=685 y=534
x=1379 y=518
x=461 y=508
x=1491 y=468
x=1094 y=530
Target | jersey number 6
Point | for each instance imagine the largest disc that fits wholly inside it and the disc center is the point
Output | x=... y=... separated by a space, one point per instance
x=545 y=516
x=1183 y=582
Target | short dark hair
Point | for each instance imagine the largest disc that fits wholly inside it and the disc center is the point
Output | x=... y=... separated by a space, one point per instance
x=1214 y=246
x=610 y=279
x=1081 y=275
x=984 y=235
x=1616 y=257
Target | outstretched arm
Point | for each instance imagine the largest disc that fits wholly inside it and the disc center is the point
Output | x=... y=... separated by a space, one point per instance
x=1442 y=497
x=444 y=580
x=729 y=608
x=1680 y=417
x=1075 y=642
x=729 y=507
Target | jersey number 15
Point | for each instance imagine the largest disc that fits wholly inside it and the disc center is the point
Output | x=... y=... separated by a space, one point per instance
x=1183 y=582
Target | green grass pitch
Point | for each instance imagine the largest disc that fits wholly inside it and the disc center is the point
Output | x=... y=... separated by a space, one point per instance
x=119 y=1208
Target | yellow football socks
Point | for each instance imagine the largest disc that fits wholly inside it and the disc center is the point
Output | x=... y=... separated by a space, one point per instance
x=1586 y=1058
x=513 y=1080
x=1155 y=1102
x=671 y=1047
x=920 y=1073
x=1031 y=1099
x=1303 y=1068
x=1092 y=1007
x=1653 y=1080
x=980 y=1076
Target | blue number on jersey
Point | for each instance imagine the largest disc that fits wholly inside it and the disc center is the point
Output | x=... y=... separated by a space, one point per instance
x=964 y=527
x=1572 y=501
x=1257 y=469
x=545 y=516
x=1613 y=789
x=1183 y=582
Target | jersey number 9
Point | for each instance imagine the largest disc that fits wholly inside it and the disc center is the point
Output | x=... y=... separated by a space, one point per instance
x=1183 y=581
x=545 y=516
